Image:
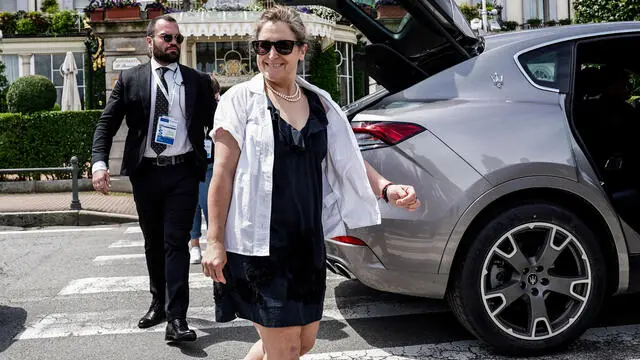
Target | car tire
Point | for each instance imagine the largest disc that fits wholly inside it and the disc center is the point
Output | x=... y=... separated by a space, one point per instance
x=489 y=296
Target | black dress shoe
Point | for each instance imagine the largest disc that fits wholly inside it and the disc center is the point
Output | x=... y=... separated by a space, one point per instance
x=177 y=330
x=153 y=317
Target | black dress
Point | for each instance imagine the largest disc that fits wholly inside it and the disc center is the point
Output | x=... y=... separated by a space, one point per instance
x=287 y=287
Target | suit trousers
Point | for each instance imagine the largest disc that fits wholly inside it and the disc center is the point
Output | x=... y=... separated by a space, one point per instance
x=166 y=198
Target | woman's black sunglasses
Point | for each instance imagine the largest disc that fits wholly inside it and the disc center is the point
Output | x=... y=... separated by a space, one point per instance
x=283 y=47
x=168 y=37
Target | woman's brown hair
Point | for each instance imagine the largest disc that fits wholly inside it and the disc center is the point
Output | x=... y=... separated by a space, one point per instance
x=286 y=15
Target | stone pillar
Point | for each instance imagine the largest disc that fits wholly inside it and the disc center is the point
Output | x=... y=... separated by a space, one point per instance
x=25 y=63
x=124 y=47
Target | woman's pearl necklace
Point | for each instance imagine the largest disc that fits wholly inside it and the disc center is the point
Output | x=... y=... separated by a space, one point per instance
x=291 y=98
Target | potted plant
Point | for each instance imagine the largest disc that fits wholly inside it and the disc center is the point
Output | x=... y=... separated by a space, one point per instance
x=122 y=10
x=389 y=9
x=155 y=9
x=95 y=10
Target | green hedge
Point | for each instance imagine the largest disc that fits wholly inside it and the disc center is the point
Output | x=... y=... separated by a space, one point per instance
x=47 y=139
x=594 y=11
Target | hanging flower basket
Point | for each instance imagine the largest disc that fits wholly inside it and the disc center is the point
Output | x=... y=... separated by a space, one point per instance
x=123 y=13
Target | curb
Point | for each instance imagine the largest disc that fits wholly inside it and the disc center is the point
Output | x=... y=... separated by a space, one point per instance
x=64 y=218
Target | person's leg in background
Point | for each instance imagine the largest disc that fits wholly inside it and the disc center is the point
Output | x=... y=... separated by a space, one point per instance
x=196 y=231
x=195 y=254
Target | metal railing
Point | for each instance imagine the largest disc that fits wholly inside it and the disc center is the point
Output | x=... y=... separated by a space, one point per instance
x=74 y=169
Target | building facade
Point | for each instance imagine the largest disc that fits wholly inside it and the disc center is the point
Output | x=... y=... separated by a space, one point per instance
x=522 y=10
x=218 y=42
x=35 y=5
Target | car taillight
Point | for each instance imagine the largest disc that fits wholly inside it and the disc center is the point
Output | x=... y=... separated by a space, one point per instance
x=350 y=240
x=371 y=135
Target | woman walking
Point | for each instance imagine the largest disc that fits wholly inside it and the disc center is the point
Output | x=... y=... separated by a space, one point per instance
x=288 y=173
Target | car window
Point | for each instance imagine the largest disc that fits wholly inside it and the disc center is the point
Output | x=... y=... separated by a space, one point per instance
x=548 y=66
x=388 y=13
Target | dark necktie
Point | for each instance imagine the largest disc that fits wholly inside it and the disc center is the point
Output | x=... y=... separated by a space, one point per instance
x=162 y=108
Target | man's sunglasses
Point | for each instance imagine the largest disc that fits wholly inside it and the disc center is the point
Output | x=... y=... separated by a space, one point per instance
x=283 y=47
x=168 y=37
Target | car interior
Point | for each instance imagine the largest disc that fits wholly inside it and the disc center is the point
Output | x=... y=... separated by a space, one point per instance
x=606 y=118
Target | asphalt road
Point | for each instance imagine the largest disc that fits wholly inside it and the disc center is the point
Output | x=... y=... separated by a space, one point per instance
x=77 y=293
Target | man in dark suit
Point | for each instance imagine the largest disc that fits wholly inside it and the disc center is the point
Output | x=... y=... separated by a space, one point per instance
x=167 y=106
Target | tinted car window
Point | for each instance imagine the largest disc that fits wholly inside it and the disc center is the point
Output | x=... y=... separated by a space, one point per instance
x=549 y=66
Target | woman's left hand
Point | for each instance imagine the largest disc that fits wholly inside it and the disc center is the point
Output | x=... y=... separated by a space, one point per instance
x=403 y=196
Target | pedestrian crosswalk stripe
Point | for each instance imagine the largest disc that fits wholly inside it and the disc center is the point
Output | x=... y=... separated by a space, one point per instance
x=96 y=285
x=108 y=259
x=49 y=231
x=125 y=321
x=137 y=243
x=124 y=283
x=133 y=230
x=138 y=230
x=127 y=243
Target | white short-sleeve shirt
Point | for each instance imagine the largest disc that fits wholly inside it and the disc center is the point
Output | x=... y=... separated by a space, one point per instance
x=347 y=196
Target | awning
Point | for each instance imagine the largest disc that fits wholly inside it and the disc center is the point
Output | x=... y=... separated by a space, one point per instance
x=242 y=23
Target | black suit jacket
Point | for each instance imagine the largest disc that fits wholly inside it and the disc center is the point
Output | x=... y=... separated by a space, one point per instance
x=131 y=98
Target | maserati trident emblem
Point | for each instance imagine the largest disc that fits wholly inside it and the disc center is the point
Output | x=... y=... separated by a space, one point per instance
x=497 y=80
x=532 y=279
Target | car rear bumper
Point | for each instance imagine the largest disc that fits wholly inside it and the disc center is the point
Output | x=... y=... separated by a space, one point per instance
x=359 y=262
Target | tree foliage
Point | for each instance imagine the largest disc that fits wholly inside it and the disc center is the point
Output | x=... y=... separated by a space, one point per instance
x=469 y=11
x=50 y=6
x=592 y=11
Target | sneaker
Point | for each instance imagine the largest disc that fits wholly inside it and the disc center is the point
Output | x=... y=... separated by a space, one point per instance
x=195 y=254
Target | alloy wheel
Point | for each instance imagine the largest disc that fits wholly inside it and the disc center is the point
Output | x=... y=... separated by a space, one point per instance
x=536 y=281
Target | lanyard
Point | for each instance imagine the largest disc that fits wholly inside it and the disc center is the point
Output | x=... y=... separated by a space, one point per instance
x=156 y=77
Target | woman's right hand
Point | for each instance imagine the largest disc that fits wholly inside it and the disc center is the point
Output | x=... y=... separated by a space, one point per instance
x=213 y=261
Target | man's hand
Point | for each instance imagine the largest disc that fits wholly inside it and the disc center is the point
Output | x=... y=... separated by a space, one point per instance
x=101 y=181
x=213 y=261
x=403 y=196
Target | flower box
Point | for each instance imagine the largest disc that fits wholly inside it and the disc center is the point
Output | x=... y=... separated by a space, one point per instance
x=123 y=13
x=151 y=13
x=96 y=15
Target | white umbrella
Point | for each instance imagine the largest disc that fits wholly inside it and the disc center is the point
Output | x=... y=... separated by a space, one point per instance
x=70 y=95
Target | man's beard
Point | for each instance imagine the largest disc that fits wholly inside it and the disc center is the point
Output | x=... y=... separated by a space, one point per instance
x=165 y=56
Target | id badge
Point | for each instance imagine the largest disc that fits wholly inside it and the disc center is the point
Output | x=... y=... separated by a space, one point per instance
x=166 y=131
x=208 y=144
